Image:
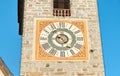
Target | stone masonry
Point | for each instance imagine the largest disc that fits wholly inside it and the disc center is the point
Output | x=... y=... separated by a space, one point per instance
x=43 y=10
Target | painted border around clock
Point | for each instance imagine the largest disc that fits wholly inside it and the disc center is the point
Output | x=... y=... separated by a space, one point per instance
x=50 y=57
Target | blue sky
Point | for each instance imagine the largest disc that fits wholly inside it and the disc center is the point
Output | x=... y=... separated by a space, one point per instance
x=109 y=15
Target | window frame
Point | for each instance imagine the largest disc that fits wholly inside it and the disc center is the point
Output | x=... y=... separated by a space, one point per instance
x=58 y=10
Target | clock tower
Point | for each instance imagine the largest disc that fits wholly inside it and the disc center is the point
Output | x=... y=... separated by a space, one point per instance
x=60 y=38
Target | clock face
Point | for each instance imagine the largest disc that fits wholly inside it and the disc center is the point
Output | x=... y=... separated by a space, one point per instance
x=61 y=39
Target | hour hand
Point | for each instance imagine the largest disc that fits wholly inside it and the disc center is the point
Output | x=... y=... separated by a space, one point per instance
x=54 y=31
x=68 y=46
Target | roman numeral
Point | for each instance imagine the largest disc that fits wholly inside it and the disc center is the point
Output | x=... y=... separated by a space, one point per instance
x=62 y=54
x=80 y=38
x=53 y=51
x=46 y=46
x=72 y=52
x=46 y=31
x=76 y=31
x=53 y=26
x=62 y=24
x=78 y=46
x=43 y=38
x=70 y=27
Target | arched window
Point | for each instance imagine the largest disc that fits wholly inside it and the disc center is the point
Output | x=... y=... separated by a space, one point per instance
x=61 y=8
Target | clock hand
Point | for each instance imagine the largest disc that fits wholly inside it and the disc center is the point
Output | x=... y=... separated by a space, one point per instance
x=54 y=31
x=61 y=38
x=68 y=46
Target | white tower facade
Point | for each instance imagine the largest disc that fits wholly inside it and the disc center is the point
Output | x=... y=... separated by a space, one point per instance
x=60 y=38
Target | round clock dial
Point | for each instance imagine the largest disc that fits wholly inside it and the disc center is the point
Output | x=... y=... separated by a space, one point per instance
x=61 y=39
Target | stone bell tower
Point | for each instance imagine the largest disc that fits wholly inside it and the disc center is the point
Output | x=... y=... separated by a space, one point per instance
x=60 y=38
